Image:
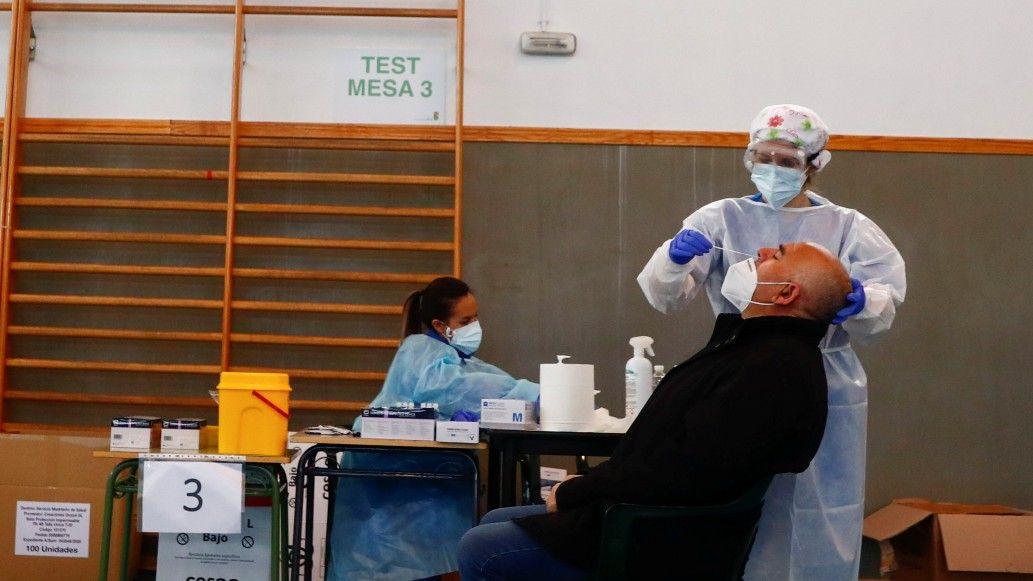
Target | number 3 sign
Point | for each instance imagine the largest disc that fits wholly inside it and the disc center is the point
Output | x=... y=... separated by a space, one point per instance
x=191 y=497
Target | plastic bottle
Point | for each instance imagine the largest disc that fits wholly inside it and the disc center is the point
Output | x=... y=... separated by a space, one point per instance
x=658 y=374
x=638 y=376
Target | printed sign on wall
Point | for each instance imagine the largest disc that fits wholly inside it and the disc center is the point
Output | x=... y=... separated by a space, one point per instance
x=52 y=529
x=403 y=86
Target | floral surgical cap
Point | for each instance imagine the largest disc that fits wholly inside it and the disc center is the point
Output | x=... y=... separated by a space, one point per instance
x=797 y=125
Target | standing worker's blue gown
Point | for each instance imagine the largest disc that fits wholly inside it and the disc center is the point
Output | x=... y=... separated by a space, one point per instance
x=396 y=529
x=810 y=528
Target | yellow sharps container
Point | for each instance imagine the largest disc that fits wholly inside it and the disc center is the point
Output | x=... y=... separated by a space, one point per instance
x=253 y=412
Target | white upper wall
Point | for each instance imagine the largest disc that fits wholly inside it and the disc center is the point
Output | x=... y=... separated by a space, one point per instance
x=943 y=68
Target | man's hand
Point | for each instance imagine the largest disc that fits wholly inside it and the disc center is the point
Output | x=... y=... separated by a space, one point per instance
x=550 y=504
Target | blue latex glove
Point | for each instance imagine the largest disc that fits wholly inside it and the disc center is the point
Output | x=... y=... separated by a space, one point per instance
x=854 y=303
x=465 y=416
x=687 y=245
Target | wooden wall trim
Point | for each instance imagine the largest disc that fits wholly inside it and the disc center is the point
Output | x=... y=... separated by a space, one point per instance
x=738 y=139
x=472 y=133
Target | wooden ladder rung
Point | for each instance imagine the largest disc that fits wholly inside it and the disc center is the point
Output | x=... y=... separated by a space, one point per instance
x=106 y=301
x=348 y=144
x=280 y=130
x=93 y=333
x=347 y=210
x=202 y=174
x=48 y=202
x=354 y=12
x=124 y=127
x=114 y=139
x=79 y=398
x=313 y=341
x=158 y=238
x=59 y=429
x=110 y=366
x=316 y=373
x=328 y=404
x=70 y=267
x=317 y=307
x=122 y=172
x=273 y=273
x=83 y=398
x=132 y=8
x=342 y=244
x=346 y=178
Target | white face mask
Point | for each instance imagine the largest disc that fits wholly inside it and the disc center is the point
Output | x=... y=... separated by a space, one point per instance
x=778 y=185
x=466 y=338
x=740 y=283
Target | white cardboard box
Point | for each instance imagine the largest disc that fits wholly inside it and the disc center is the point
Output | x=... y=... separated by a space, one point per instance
x=398 y=429
x=178 y=439
x=461 y=432
x=507 y=412
x=135 y=432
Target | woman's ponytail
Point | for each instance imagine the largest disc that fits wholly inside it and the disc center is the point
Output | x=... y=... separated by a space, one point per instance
x=411 y=314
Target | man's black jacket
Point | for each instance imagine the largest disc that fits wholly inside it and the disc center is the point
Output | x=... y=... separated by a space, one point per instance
x=751 y=403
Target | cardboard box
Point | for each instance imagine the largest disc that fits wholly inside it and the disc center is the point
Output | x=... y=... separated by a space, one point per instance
x=398 y=429
x=508 y=412
x=930 y=541
x=461 y=432
x=58 y=469
x=406 y=413
x=183 y=434
x=135 y=433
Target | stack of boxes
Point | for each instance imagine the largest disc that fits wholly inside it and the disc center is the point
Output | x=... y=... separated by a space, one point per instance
x=150 y=432
x=409 y=421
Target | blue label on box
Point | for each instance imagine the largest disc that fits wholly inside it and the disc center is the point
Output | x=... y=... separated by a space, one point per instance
x=134 y=421
x=408 y=413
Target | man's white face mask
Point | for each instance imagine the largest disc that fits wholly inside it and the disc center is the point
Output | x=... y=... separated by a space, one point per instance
x=740 y=283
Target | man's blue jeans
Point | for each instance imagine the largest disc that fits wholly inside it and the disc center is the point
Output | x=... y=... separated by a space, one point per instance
x=498 y=549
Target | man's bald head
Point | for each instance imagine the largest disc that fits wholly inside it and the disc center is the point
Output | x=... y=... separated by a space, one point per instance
x=817 y=283
x=824 y=280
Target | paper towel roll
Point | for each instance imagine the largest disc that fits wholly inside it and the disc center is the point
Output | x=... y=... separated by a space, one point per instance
x=568 y=396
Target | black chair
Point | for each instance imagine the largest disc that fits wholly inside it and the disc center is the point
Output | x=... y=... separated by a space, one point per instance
x=672 y=542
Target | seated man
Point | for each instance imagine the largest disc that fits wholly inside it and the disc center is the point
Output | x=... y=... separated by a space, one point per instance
x=750 y=404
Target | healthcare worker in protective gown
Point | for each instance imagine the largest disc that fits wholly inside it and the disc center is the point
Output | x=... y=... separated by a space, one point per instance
x=409 y=529
x=810 y=528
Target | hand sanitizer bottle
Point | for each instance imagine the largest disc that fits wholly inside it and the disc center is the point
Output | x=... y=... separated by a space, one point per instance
x=638 y=376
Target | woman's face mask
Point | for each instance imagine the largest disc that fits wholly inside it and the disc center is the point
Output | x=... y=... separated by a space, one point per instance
x=777 y=184
x=466 y=338
x=741 y=282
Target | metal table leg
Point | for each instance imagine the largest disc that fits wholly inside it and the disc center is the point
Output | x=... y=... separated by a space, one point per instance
x=116 y=487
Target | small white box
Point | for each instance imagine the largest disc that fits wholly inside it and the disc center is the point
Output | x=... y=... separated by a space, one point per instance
x=181 y=433
x=509 y=412
x=460 y=432
x=180 y=439
x=398 y=429
x=135 y=432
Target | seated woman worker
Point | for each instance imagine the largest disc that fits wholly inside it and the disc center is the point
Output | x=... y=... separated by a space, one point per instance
x=396 y=529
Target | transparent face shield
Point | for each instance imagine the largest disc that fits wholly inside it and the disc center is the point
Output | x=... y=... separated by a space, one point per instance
x=776 y=154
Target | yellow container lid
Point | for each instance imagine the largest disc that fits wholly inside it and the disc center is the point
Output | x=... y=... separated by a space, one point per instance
x=249 y=381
